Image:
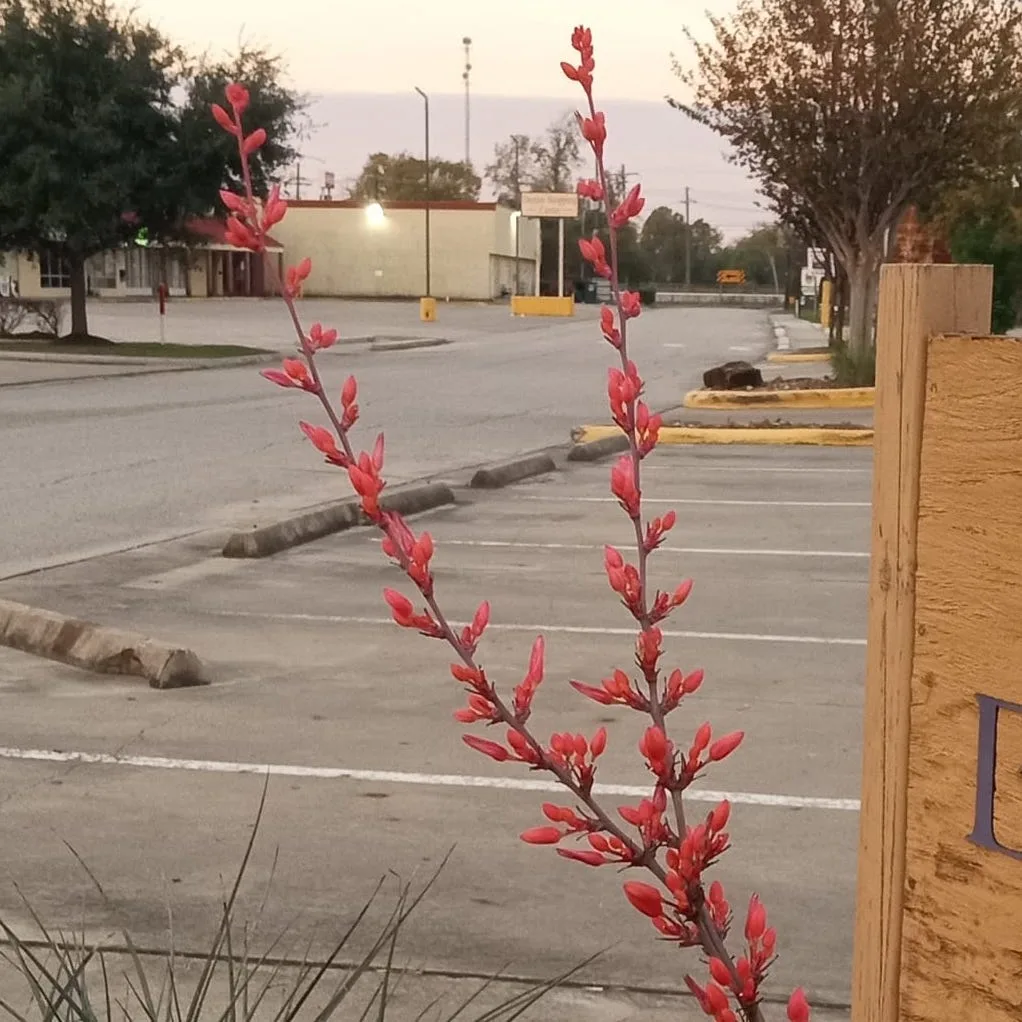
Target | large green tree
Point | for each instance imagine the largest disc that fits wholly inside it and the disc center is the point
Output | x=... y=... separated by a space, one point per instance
x=850 y=111
x=86 y=111
x=669 y=245
x=402 y=178
x=548 y=163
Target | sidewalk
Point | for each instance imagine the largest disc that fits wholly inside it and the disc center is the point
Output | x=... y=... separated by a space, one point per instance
x=800 y=332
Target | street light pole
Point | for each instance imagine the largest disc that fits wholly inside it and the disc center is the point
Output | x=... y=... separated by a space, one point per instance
x=429 y=282
x=467 y=43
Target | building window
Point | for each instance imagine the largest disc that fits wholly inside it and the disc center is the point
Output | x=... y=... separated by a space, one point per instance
x=138 y=270
x=53 y=271
x=102 y=271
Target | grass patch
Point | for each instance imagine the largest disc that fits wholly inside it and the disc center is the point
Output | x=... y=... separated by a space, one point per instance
x=131 y=349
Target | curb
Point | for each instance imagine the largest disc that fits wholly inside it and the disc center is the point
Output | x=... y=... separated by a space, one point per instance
x=410 y=345
x=828 y=397
x=95 y=648
x=610 y=441
x=805 y=436
x=496 y=476
x=154 y=362
x=152 y=370
x=292 y=532
x=798 y=356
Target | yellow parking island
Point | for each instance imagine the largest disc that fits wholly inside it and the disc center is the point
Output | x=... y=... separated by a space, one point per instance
x=541 y=305
x=427 y=310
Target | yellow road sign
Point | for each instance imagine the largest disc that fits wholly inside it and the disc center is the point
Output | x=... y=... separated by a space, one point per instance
x=731 y=276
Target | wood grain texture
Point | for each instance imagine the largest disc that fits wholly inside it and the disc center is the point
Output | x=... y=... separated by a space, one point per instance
x=962 y=929
x=916 y=303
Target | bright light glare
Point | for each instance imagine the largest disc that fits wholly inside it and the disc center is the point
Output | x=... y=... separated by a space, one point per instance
x=374 y=214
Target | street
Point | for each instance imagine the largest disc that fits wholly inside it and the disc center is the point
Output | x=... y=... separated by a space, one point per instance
x=100 y=464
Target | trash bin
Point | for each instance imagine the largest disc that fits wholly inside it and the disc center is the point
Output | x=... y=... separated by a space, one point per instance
x=585 y=292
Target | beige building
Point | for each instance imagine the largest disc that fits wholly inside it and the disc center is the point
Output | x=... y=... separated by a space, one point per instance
x=209 y=267
x=378 y=250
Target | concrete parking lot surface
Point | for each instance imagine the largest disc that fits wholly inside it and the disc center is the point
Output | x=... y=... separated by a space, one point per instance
x=352 y=717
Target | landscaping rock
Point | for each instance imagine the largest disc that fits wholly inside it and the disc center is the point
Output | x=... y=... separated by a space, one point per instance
x=732 y=376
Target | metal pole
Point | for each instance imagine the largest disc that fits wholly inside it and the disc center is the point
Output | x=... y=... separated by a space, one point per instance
x=688 y=240
x=560 y=257
x=467 y=43
x=429 y=282
x=518 y=216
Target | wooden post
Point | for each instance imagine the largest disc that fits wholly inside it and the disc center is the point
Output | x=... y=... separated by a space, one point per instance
x=916 y=303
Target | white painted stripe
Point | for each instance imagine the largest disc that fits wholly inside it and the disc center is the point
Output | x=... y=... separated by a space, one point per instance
x=709 y=503
x=340 y=619
x=500 y=544
x=399 y=777
x=674 y=344
x=693 y=465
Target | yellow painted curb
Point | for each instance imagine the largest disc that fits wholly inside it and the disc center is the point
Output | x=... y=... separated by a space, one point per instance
x=833 y=397
x=537 y=305
x=798 y=356
x=789 y=436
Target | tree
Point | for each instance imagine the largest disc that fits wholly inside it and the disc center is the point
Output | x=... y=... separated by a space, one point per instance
x=402 y=178
x=514 y=165
x=547 y=164
x=86 y=113
x=850 y=111
x=663 y=243
x=985 y=226
x=767 y=254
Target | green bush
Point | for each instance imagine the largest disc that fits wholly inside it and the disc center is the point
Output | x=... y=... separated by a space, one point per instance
x=854 y=368
x=647 y=295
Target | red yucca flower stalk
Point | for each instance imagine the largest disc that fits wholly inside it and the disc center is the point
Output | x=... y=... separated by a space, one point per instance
x=654 y=836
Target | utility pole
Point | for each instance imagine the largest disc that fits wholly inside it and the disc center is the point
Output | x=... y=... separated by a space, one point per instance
x=688 y=238
x=467 y=43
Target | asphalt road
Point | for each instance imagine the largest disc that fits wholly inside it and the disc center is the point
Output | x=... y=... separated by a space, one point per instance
x=100 y=464
x=369 y=774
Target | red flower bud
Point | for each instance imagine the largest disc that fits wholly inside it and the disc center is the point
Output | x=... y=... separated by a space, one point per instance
x=723 y=747
x=720 y=815
x=487 y=748
x=631 y=304
x=584 y=856
x=237 y=96
x=599 y=742
x=541 y=836
x=349 y=392
x=253 y=141
x=798 y=1007
x=224 y=119
x=755 y=921
x=645 y=898
x=720 y=972
x=716 y=999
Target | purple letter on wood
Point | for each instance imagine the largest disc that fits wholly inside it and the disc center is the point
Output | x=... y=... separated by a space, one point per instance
x=986 y=774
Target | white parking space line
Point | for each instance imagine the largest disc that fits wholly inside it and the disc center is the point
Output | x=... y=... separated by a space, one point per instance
x=689 y=501
x=399 y=777
x=697 y=466
x=341 y=619
x=499 y=544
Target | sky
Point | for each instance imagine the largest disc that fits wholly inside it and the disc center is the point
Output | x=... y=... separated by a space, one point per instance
x=360 y=63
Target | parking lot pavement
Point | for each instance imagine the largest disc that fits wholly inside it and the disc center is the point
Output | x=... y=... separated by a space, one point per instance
x=368 y=774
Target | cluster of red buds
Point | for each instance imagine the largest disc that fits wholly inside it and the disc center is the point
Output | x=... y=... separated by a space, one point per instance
x=655 y=835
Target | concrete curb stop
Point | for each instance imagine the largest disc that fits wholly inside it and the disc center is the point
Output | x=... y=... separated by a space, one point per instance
x=496 y=476
x=594 y=450
x=292 y=532
x=96 y=648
